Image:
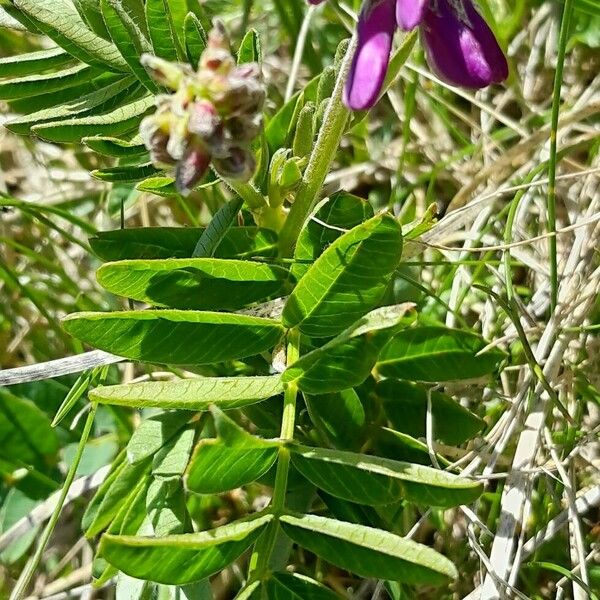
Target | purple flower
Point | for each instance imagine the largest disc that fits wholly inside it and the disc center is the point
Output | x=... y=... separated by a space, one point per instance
x=459 y=45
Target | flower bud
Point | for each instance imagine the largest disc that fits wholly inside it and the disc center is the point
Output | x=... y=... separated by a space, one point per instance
x=305 y=131
x=239 y=164
x=191 y=168
x=163 y=72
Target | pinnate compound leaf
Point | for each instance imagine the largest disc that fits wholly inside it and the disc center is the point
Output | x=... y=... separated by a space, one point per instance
x=182 y=559
x=342 y=211
x=34 y=63
x=405 y=405
x=180 y=242
x=194 y=283
x=191 y=394
x=369 y=552
x=347 y=360
x=234 y=459
x=347 y=280
x=437 y=353
x=120 y=120
x=175 y=337
x=374 y=480
x=60 y=21
x=293 y=586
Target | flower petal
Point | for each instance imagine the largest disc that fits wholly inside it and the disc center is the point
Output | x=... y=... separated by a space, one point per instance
x=376 y=27
x=410 y=13
x=461 y=47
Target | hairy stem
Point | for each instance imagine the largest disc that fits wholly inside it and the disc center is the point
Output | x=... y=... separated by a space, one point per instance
x=259 y=563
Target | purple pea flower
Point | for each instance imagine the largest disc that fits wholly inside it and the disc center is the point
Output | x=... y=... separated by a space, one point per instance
x=459 y=45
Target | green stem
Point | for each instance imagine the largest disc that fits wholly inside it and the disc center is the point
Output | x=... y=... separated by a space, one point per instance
x=32 y=564
x=551 y=208
x=328 y=140
x=259 y=563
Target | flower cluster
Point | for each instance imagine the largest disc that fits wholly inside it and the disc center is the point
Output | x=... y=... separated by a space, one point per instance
x=460 y=46
x=214 y=114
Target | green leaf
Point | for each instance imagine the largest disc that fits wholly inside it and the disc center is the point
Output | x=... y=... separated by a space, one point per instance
x=122 y=119
x=60 y=21
x=171 y=336
x=347 y=360
x=194 y=283
x=293 y=586
x=32 y=85
x=172 y=459
x=433 y=353
x=180 y=242
x=347 y=280
x=373 y=480
x=118 y=491
x=217 y=229
x=34 y=63
x=369 y=552
x=152 y=433
x=234 y=459
x=25 y=431
x=128 y=38
x=195 y=39
x=191 y=394
x=166 y=507
x=342 y=211
x=111 y=146
x=405 y=405
x=182 y=559
x=165 y=186
x=125 y=173
x=90 y=12
x=165 y=23
x=340 y=418
x=71 y=94
x=102 y=100
x=250 y=48
x=401 y=446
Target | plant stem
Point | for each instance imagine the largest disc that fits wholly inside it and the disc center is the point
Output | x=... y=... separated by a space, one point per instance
x=33 y=563
x=328 y=140
x=259 y=563
x=551 y=208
